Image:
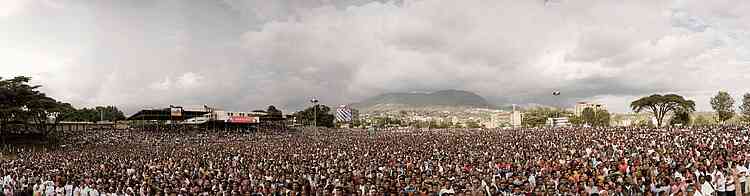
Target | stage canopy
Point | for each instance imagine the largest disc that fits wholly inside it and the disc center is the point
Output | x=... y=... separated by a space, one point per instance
x=165 y=114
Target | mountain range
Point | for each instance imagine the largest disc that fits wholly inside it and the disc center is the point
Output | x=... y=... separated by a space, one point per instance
x=417 y=100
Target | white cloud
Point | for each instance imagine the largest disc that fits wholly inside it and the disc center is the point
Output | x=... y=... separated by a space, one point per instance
x=11 y=7
x=343 y=51
x=189 y=80
x=162 y=85
x=519 y=46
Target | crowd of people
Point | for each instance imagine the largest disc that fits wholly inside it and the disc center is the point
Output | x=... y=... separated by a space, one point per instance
x=530 y=161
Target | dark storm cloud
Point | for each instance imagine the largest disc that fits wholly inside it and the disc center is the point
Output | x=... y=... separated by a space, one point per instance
x=246 y=55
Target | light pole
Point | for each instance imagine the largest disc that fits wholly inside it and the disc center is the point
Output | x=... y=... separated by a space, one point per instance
x=315 y=110
x=557 y=103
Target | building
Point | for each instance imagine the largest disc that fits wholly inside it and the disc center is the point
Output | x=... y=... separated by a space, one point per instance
x=516 y=118
x=582 y=105
x=558 y=122
x=234 y=117
x=499 y=120
x=206 y=117
x=504 y=119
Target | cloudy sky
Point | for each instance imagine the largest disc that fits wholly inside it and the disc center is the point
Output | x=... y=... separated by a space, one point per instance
x=247 y=54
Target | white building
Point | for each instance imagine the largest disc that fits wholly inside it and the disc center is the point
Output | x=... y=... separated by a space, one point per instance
x=558 y=122
x=516 y=118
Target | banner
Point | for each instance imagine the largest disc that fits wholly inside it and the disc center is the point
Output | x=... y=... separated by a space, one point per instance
x=243 y=119
x=344 y=114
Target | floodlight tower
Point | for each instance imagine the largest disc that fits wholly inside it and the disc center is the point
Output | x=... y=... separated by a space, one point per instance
x=314 y=101
x=556 y=94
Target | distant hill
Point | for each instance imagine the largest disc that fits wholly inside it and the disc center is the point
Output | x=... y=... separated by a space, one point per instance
x=439 y=99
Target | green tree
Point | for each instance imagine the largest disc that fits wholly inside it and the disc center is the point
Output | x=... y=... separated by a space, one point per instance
x=433 y=124
x=473 y=124
x=597 y=118
x=106 y=113
x=661 y=105
x=356 y=122
x=723 y=104
x=111 y=113
x=273 y=111
x=44 y=112
x=745 y=108
x=701 y=120
x=15 y=94
x=680 y=117
x=588 y=116
x=602 y=118
x=536 y=117
x=576 y=120
x=321 y=113
x=22 y=103
x=387 y=121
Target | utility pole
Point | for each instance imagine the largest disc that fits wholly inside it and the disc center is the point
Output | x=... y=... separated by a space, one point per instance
x=315 y=110
x=557 y=103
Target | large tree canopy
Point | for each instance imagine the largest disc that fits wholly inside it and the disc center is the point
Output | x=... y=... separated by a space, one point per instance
x=597 y=118
x=22 y=103
x=661 y=105
x=745 y=108
x=273 y=111
x=318 y=113
x=680 y=117
x=723 y=104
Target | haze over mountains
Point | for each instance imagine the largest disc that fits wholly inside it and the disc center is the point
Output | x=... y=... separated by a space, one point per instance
x=433 y=100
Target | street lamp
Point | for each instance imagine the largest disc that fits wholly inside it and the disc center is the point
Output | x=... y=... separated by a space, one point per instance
x=315 y=110
x=557 y=102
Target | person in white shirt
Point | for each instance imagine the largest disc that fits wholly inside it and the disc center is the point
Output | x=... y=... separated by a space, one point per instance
x=446 y=191
x=37 y=189
x=706 y=188
x=86 y=191
x=77 y=191
x=49 y=188
x=94 y=192
x=742 y=175
x=730 y=187
x=68 y=189
x=60 y=191
x=719 y=182
x=696 y=188
x=142 y=189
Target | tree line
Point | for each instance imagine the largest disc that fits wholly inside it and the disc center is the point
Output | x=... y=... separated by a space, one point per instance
x=723 y=104
x=672 y=108
x=24 y=108
x=682 y=109
x=535 y=117
x=98 y=113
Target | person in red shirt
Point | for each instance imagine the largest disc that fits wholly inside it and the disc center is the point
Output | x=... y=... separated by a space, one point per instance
x=623 y=167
